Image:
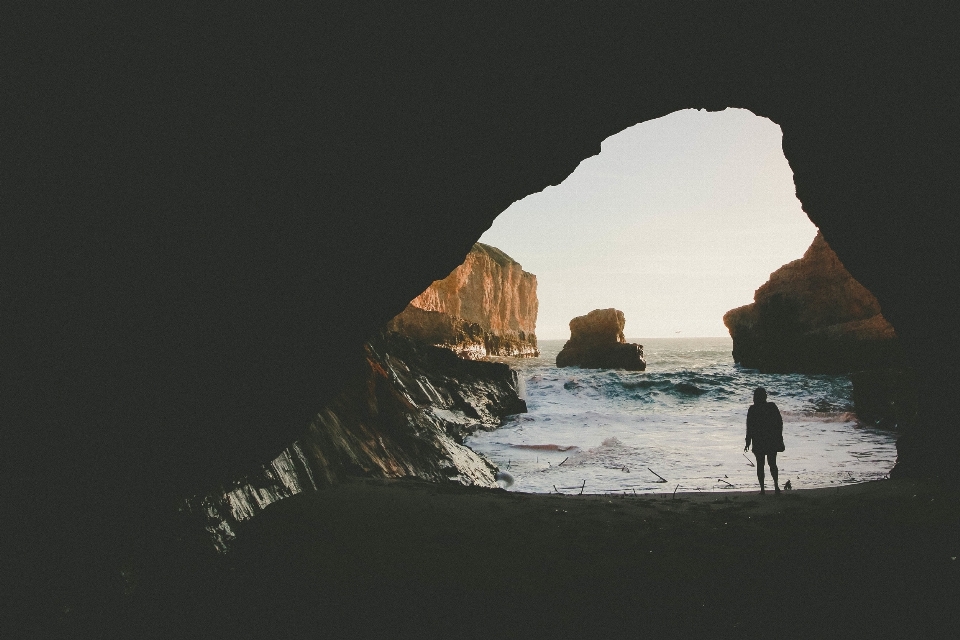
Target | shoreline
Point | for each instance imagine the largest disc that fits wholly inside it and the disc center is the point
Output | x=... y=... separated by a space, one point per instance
x=374 y=557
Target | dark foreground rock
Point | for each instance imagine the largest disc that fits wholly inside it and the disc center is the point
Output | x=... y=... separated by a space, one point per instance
x=597 y=342
x=812 y=316
x=486 y=307
x=886 y=397
x=405 y=417
x=362 y=560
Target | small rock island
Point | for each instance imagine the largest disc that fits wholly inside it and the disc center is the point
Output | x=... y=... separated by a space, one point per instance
x=597 y=342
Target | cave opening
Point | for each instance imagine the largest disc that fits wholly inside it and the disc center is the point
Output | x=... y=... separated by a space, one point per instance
x=676 y=222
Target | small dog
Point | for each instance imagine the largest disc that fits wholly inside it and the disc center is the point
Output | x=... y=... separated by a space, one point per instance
x=787 y=486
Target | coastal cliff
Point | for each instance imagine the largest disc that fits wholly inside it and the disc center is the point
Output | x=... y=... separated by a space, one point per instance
x=405 y=417
x=486 y=307
x=597 y=342
x=812 y=316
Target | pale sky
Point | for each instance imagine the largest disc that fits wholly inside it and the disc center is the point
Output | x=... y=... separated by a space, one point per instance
x=676 y=221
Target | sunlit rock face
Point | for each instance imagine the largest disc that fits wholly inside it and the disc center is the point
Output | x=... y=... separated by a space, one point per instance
x=404 y=417
x=812 y=316
x=597 y=342
x=486 y=307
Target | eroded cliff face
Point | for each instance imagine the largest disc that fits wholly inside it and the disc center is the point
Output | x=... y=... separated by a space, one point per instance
x=812 y=316
x=486 y=306
x=405 y=417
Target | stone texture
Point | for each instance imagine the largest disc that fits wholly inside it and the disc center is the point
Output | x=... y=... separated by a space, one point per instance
x=886 y=398
x=812 y=316
x=486 y=307
x=597 y=342
x=404 y=417
x=212 y=216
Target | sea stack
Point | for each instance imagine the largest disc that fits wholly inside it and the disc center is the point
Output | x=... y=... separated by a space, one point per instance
x=812 y=316
x=486 y=307
x=597 y=342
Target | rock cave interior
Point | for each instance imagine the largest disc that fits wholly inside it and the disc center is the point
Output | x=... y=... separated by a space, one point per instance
x=218 y=212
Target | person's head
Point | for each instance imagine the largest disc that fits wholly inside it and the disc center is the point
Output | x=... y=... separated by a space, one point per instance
x=759 y=395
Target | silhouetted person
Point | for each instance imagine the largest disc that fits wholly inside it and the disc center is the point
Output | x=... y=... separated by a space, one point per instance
x=765 y=430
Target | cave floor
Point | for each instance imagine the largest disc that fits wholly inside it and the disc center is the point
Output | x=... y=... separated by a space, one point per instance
x=409 y=559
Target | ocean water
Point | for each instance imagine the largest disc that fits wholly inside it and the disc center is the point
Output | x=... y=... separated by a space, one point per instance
x=683 y=419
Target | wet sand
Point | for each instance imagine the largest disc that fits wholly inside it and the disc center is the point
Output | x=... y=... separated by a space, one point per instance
x=409 y=559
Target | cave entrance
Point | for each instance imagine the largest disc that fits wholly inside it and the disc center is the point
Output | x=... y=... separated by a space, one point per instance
x=675 y=222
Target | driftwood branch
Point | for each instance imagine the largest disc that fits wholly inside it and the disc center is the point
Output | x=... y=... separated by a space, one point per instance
x=557 y=490
x=662 y=479
x=564 y=460
x=582 y=486
x=749 y=461
x=724 y=481
x=674 y=497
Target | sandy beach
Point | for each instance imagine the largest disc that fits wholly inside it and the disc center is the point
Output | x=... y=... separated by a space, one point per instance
x=412 y=559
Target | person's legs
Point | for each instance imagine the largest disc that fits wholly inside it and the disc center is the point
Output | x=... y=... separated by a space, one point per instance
x=759 y=457
x=772 y=459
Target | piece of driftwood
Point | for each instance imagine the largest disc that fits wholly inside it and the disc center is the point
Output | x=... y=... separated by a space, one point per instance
x=662 y=479
x=749 y=461
x=724 y=481
x=674 y=497
x=564 y=460
x=557 y=490
x=582 y=486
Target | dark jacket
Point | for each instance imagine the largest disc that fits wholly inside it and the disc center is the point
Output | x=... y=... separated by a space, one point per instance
x=765 y=428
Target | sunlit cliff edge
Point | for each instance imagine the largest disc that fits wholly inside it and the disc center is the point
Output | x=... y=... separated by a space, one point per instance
x=486 y=307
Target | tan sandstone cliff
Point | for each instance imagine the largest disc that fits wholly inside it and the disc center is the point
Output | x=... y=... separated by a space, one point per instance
x=486 y=306
x=812 y=316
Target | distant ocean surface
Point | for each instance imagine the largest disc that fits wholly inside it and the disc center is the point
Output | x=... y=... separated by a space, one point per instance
x=684 y=418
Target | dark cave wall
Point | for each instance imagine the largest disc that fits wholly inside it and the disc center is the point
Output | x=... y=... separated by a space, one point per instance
x=213 y=211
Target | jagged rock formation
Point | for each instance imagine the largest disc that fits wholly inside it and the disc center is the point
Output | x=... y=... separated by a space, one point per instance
x=406 y=416
x=486 y=306
x=812 y=316
x=597 y=342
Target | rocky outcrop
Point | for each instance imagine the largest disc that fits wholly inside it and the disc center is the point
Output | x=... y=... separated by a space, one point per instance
x=486 y=307
x=812 y=316
x=406 y=416
x=597 y=342
x=886 y=397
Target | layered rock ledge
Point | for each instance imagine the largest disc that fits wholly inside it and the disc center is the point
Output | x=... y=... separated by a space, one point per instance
x=486 y=307
x=597 y=342
x=812 y=316
x=405 y=417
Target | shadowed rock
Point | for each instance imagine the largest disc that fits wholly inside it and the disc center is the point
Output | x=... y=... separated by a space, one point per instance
x=812 y=316
x=597 y=342
x=405 y=416
x=213 y=215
